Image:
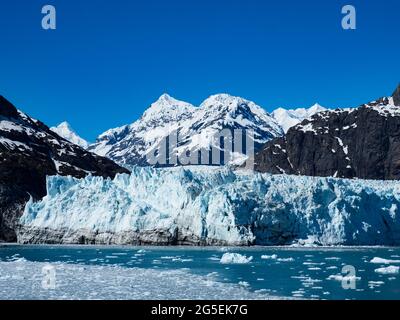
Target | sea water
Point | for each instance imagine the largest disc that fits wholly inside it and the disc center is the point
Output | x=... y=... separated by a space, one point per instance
x=109 y=272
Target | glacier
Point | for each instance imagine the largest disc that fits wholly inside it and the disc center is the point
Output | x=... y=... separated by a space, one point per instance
x=220 y=206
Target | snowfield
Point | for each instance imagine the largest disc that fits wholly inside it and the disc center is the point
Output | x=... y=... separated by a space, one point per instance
x=22 y=279
x=213 y=207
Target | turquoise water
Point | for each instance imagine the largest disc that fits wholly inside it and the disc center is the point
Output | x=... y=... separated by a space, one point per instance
x=291 y=272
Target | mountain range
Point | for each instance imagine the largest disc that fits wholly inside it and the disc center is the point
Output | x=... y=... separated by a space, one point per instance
x=130 y=144
x=196 y=126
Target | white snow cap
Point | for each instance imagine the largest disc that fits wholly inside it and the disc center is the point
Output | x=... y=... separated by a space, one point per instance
x=65 y=131
x=288 y=118
x=167 y=105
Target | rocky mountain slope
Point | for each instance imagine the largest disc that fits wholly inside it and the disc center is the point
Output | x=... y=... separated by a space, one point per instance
x=363 y=143
x=65 y=131
x=29 y=151
x=197 y=127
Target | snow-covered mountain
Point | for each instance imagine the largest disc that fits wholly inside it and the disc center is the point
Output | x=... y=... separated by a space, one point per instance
x=288 y=118
x=213 y=207
x=65 y=131
x=196 y=126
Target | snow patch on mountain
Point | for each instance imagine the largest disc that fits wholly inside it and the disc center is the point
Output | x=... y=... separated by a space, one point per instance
x=65 y=131
x=288 y=118
x=215 y=207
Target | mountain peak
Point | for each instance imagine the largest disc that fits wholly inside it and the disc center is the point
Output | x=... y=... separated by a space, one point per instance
x=288 y=118
x=316 y=108
x=396 y=96
x=220 y=98
x=167 y=106
x=166 y=98
x=65 y=131
x=65 y=125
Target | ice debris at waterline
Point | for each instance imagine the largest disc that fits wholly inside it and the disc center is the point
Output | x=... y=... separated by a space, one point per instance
x=213 y=207
x=22 y=279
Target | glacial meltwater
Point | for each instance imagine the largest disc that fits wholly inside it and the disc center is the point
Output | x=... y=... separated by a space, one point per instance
x=100 y=272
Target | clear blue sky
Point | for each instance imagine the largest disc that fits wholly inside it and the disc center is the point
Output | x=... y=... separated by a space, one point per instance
x=109 y=60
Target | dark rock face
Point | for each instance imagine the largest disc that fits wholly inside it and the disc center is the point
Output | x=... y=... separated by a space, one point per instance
x=29 y=151
x=396 y=96
x=158 y=237
x=355 y=143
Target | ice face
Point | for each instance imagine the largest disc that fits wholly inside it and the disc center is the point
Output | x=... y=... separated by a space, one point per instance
x=218 y=206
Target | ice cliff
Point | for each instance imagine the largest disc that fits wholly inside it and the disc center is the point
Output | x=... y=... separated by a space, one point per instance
x=213 y=207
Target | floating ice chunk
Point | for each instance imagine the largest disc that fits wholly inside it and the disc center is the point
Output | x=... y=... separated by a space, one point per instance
x=235 y=258
x=169 y=257
x=388 y=270
x=285 y=259
x=373 y=284
x=214 y=258
x=271 y=257
x=339 y=277
x=181 y=260
x=378 y=260
x=212 y=274
x=244 y=283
